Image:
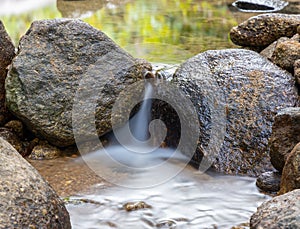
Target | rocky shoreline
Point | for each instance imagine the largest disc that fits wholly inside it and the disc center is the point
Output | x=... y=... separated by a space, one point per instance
x=258 y=99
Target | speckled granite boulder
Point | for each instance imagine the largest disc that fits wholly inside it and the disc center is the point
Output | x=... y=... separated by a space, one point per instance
x=251 y=91
x=280 y=212
x=264 y=29
x=285 y=135
x=26 y=200
x=7 y=52
x=55 y=60
x=291 y=172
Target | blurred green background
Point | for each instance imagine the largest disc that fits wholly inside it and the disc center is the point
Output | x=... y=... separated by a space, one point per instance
x=168 y=31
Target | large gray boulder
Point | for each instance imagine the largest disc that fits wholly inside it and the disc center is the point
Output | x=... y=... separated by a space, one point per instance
x=285 y=135
x=7 y=52
x=26 y=200
x=240 y=92
x=54 y=60
x=278 y=213
x=264 y=29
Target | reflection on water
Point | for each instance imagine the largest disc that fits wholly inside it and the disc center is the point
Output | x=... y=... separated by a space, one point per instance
x=190 y=200
x=159 y=30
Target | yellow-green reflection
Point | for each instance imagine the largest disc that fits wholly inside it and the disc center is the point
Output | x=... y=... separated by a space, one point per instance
x=159 y=30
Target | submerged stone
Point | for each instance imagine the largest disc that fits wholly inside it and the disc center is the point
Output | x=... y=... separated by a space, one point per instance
x=236 y=94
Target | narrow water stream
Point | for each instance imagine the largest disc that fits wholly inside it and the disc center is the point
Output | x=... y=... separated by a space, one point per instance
x=162 y=191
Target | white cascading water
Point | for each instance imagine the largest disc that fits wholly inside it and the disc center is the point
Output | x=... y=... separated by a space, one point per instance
x=188 y=199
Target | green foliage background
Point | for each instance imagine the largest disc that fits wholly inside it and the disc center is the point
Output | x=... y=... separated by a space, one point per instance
x=167 y=31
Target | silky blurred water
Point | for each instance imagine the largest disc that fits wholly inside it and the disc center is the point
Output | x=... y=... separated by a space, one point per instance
x=190 y=200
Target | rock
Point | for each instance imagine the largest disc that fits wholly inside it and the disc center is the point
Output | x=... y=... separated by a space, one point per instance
x=297 y=71
x=44 y=151
x=26 y=200
x=164 y=71
x=286 y=53
x=268 y=52
x=236 y=94
x=76 y=9
x=278 y=213
x=285 y=135
x=7 y=52
x=269 y=182
x=17 y=127
x=57 y=59
x=291 y=172
x=259 y=5
x=264 y=29
x=9 y=136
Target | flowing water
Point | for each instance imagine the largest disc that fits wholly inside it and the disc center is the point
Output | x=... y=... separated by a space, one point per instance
x=162 y=193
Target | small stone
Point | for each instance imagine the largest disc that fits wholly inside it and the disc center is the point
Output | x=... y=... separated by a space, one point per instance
x=44 y=151
x=269 y=182
x=17 y=127
x=133 y=206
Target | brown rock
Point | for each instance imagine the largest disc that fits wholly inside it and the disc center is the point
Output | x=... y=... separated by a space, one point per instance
x=7 y=52
x=286 y=53
x=26 y=200
x=17 y=127
x=44 y=151
x=264 y=29
x=280 y=212
x=9 y=136
x=291 y=172
x=285 y=135
x=297 y=71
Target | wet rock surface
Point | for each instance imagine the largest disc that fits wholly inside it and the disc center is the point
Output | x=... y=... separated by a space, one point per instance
x=56 y=59
x=285 y=135
x=280 y=212
x=269 y=181
x=7 y=52
x=243 y=91
x=27 y=201
x=291 y=172
x=264 y=29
